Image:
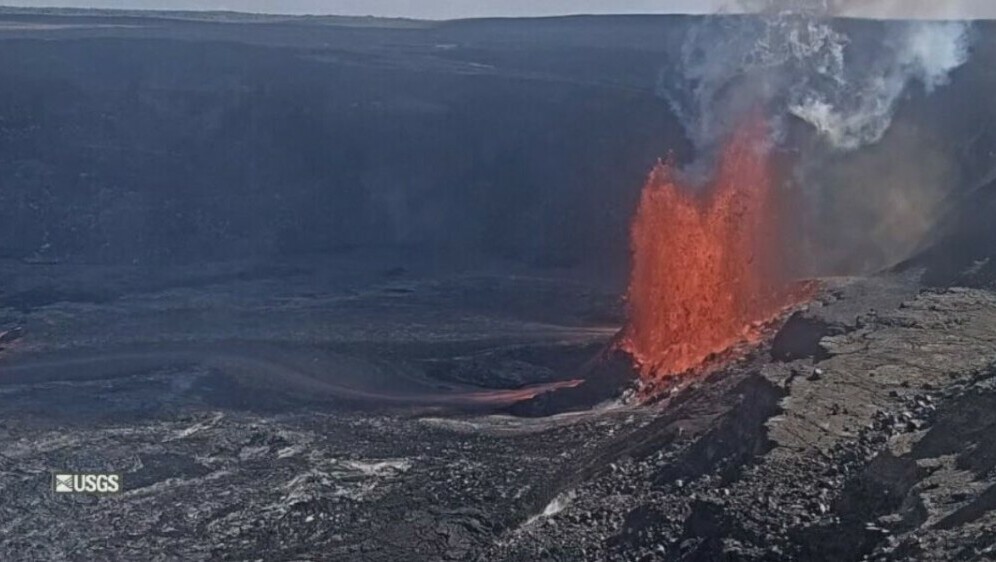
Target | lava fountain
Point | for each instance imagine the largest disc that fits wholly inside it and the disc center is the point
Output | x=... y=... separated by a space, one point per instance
x=706 y=262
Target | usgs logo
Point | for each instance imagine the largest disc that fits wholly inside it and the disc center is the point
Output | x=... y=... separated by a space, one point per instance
x=90 y=483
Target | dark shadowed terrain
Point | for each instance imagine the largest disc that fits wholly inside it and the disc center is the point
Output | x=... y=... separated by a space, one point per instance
x=344 y=289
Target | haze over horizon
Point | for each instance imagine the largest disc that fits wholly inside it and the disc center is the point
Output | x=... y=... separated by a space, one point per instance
x=446 y=9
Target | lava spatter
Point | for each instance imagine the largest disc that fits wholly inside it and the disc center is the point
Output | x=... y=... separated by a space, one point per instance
x=705 y=261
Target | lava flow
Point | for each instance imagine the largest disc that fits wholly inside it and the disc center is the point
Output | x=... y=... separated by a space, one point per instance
x=705 y=265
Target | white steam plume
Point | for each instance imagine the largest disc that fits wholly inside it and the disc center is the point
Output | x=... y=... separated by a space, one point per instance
x=880 y=9
x=856 y=107
x=793 y=60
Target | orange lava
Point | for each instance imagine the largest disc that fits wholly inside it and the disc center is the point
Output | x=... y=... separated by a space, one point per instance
x=705 y=261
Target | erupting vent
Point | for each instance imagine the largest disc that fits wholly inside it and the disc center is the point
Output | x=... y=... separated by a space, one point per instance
x=705 y=265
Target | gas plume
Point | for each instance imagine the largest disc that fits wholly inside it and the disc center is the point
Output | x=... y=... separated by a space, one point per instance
x=839 y=82
x=882 y=9
x=792 y=59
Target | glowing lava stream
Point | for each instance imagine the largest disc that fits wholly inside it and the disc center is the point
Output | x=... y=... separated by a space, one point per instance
x=705 y=265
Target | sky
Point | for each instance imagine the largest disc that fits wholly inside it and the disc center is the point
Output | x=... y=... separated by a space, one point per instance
x=423 y=9
x=448 y=9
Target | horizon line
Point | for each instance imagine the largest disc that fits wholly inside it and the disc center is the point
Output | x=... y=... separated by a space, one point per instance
x=80 y=10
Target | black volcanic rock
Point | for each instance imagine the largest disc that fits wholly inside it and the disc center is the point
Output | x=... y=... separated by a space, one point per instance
x=604 y=378
x=800 y=338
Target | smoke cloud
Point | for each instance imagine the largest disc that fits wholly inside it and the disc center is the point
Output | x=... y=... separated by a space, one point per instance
x=854 y=106
x=874 y=207
x=881 y=9
x=792 y=60
x=830 y=87
x=913 y=9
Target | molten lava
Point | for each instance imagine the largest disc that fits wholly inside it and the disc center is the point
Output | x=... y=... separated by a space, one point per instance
x=705 y=265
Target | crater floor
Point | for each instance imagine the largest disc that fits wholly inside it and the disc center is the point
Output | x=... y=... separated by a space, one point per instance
x=348 y=411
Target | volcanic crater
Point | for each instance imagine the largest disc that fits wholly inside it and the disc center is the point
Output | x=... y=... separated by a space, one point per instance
x=352 y=315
